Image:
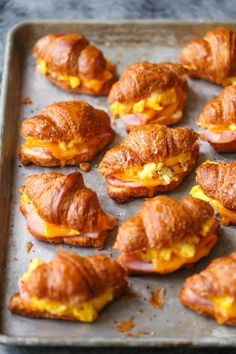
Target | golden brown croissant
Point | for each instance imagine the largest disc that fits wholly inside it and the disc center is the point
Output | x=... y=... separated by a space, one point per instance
x=151 y=159
x=70 y=62
x=65 y=133
x=217 y=185
x=166 y=235
x=61 y=209
x=69 y=287
x=213 y=57
x=213 y=291
x=219 y=118
x=150 y=93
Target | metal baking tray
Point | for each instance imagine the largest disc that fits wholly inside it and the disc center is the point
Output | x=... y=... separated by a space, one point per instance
x=124 y=42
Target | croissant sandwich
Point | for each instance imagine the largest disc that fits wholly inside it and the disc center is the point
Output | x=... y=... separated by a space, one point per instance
x=69 y=287
x=219 y=120
x=70 y=62
x=217 y=185
x=61 y=209
x=151 y=159
x=149 y=93
x=65 y=133
x=213 y=291
x=213 y=57
x=166 y=235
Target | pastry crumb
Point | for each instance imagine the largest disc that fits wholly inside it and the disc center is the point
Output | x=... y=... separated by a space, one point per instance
x=29 y=246
x=126 y=325
x=85 y=166
x=157 y=298
x=26 y=100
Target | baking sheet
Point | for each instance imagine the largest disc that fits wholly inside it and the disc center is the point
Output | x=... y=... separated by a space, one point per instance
x=124 y=42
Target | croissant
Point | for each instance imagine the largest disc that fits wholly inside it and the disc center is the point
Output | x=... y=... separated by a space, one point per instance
x=217 y=185
x=151 y=159
x=213 y=57
x=65 y=133
x=213 y=291
x=71 y=63
x=69 y=287
x=149 y=93
x=166 y=235
x=61 y=209
x=219 y=120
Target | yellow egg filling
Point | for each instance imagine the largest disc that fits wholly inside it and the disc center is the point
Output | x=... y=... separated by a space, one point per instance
x=156 y=101
x=75 y=81
x=224 y=308
x=85 y=311
x=155 y=173
x=219 y=128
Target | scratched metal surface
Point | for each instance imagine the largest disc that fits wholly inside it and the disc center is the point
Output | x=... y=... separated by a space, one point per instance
x=123 y=42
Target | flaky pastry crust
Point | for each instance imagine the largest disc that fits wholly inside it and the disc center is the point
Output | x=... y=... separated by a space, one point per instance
x=72 y=55
x=68 y=278
x=65 y=201
x=218 y=181
x=146 y=144
x=66 y=122
x=218 y=116
x=160 y=223
x=217 y=280
x=213 y=57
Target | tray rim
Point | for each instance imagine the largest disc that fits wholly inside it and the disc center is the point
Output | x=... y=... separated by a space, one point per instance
x=97 y=341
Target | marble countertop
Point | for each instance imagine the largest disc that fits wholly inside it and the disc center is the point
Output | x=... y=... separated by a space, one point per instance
x=15 y=11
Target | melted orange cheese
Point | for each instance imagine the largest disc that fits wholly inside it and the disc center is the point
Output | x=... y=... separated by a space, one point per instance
x=152 y=174
x=219 y=128
x=61 y=150
x=75 y=81
x=224 y=308
x=226 y=214
x=52 y=230
x=85 y=311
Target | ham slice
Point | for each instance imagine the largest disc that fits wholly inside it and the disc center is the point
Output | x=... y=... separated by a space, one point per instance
x=115 y=181
x=135 y=119
x=226 y=136
x=136 y=265
x=36 y=224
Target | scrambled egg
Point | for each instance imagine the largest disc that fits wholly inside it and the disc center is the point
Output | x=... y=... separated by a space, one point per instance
x=85 y=311
x=224 y=308
x=156 y=101
x=52 y=230
x=155 y=173
x=168 y=259
x=75 y=81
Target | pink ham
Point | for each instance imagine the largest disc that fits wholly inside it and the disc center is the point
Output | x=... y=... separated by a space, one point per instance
x=134 y=119
x=135 y=265
x=115 y=181
x=35 y=224
x=226 y=136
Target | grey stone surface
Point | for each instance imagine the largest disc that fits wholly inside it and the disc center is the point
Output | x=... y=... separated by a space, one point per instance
x=15 y=11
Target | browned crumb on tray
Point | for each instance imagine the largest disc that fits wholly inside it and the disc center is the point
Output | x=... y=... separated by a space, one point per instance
x=157 y=298
x=85 y=166
x=131 y=295
x=125 y=325
x=26 y=100
x=29 y=246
